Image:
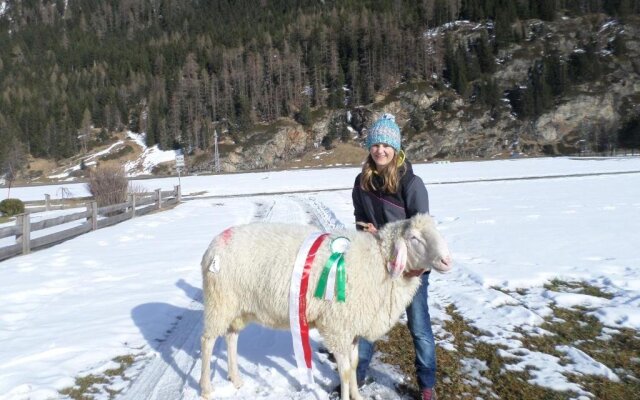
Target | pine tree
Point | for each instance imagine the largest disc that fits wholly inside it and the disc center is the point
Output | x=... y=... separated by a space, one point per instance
x=486 y=60
x=489 y=93
x=304 y=115
x=585 y=64
x=539 y=89
x=629 y=134
x=556 y=74
x=242 y=113
x=503 y=30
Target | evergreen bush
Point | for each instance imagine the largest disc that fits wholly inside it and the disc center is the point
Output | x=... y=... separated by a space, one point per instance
x=11 y=207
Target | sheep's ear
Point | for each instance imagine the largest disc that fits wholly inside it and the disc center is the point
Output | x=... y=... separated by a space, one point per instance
x=399 y=260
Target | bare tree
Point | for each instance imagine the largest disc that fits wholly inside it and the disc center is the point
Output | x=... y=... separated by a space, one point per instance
x=14 y=158
x=85 y=131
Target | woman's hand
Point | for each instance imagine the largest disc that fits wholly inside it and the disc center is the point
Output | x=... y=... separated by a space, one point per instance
x=368 y=227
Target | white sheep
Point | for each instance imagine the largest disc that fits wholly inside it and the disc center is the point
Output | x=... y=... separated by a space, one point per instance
x=247 y=273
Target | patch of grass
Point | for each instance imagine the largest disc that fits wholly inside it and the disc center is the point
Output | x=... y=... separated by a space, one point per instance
x=505 y=384
x=514 y=385
x=84 y=387
x=558 y=285
x=541 y=343
x=452 y=381
x=124 y=361
x=619 y=352
x=162 y=170
x=575 y=325
x=618 y=349
x=123 y=151
x=89 y=386
x=398 y=350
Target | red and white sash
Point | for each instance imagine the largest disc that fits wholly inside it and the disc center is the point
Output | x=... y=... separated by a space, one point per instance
x=298 y=302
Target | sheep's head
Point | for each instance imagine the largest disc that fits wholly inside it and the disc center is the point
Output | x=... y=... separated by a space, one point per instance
x=419 y=247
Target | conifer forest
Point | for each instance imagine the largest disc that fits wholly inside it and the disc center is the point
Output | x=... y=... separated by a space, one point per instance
x=177 y=69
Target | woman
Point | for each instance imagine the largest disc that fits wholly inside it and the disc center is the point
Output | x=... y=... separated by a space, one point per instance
x=385 y=191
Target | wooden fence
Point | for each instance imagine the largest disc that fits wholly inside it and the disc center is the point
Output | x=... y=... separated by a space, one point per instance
x=36 y=206
x=94 y=218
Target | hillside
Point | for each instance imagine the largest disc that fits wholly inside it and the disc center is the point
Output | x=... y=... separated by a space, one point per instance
x=466 y=79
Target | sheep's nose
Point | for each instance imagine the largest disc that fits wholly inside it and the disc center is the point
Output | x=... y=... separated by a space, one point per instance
x=446 y=263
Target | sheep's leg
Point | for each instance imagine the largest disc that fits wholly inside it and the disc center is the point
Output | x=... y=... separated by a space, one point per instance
x=344 y=369
x=232 y=358
x=353 y=381
x=206 y=343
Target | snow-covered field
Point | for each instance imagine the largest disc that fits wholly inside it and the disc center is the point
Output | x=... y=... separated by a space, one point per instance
x=135 y=288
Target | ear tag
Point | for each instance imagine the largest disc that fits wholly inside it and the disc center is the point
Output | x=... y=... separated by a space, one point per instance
x=215 y=265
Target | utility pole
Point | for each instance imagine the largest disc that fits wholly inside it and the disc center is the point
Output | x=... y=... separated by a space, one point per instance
x=216 y=155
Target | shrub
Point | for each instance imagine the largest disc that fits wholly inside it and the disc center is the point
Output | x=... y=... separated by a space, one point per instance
x=11 y=207
x=108 y=185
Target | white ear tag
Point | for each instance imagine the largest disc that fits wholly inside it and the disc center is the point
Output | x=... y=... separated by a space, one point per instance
x=215 y=265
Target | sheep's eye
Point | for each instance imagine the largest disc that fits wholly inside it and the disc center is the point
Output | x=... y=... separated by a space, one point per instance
x=416 y=240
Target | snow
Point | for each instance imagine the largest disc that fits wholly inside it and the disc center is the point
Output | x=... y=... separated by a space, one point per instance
x=150 y=157
x=134 y=288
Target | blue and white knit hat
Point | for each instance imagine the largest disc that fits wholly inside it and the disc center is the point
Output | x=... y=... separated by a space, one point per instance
x=384 y=130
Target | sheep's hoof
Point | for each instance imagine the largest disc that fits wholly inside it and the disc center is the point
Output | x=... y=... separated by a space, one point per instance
x=205 y=396
x=237 y=382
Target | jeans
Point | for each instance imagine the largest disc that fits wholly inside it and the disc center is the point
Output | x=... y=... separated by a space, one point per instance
x=419 y=323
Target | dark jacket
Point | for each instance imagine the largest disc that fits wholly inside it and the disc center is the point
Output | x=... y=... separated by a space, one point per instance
x=380 y=207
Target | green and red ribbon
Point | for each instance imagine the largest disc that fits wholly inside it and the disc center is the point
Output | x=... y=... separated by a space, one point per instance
x=334 y=275
x=334 y=270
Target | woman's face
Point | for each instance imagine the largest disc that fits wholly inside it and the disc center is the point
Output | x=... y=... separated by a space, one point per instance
x=382 y=155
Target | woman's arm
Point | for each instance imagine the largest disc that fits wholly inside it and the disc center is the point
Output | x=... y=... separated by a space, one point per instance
x=416 y=197
x=358 y=210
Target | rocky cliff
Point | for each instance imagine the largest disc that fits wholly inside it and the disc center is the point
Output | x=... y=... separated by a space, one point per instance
x=438 y=122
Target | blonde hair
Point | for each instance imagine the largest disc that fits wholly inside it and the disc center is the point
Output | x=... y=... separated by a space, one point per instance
x=391 y=174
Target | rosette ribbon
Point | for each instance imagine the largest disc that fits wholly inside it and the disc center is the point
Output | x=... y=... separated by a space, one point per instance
x=334 y=275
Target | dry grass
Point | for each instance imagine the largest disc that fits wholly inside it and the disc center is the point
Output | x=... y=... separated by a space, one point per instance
x=620 y=352
x=121 y=153
x=344 y=154
x=40 y=168
x=558 y=285
x=94 y=386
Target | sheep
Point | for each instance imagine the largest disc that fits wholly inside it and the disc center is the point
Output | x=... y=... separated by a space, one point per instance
x=247 y=271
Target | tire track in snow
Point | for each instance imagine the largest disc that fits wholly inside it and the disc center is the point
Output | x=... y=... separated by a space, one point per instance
x=320 y=215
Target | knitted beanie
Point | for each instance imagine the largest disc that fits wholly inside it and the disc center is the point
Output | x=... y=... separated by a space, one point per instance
x=384 y=130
